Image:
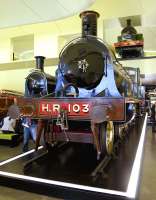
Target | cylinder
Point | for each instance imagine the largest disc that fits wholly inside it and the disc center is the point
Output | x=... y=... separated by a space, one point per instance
x=40 y=62
x=89 y=23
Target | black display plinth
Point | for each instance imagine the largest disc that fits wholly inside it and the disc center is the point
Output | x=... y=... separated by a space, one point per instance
x=66 y=172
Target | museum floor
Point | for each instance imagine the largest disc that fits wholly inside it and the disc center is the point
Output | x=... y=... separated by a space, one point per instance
x=148 y=181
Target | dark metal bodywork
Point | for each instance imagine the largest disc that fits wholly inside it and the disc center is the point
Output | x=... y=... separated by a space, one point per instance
x=38 y=84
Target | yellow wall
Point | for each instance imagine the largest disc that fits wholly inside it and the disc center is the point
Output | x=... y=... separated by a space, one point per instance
x=147 y=66
x=45 y=36
x=15 y=79
x=46 y=39
x=4 y=49
x=45 y=44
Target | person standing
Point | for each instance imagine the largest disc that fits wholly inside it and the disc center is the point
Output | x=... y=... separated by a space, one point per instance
x=30 y=130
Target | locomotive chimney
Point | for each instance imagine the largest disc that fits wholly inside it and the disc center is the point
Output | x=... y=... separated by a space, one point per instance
x=89 y=23
x=40 y=62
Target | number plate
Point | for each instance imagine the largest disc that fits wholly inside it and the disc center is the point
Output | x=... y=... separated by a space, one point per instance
x=73 y=108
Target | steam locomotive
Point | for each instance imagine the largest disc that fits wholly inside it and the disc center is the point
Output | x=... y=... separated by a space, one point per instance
x=38 y=83
x=90 y=80
x=130 y=43
x=95 y=97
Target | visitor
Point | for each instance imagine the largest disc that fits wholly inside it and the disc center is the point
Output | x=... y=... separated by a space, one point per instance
x=30 y=130
x=8 y=125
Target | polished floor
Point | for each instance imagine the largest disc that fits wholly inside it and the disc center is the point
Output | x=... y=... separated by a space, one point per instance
x=14 y=194
x=148 y=180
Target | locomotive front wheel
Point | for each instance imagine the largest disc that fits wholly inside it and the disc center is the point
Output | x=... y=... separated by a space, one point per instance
x=106 y=137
